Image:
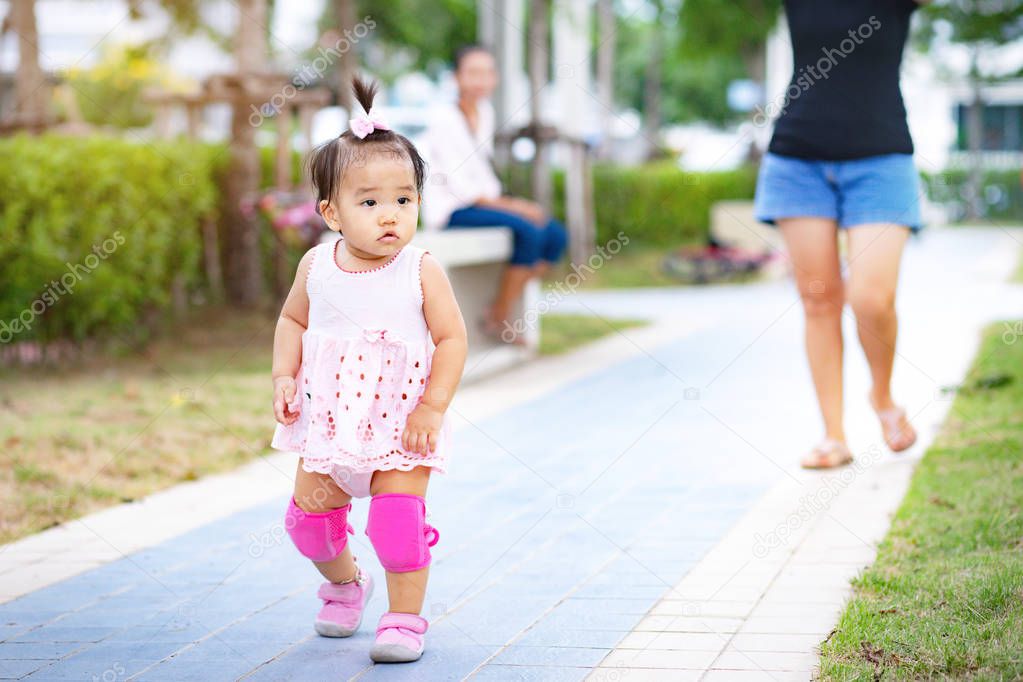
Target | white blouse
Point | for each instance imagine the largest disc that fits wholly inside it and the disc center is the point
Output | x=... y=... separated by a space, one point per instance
x=460 y=170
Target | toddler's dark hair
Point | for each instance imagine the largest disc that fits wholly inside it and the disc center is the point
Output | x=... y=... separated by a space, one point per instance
x=329 y=161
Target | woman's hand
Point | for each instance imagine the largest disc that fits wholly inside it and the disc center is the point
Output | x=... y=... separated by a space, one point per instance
x=421 y=429
x=284 y=393
x=530 y=210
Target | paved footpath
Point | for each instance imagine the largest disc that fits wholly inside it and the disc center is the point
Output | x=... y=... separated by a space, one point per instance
x=630 y=511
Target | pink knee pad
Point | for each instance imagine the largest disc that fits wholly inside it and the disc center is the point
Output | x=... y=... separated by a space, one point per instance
x=321 y=536
x=399 y=532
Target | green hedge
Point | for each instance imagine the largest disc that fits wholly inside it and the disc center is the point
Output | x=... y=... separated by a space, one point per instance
x=659 y=204
x=268 y=166
x=1001 y=194
x=61 y=196
x=94 y=232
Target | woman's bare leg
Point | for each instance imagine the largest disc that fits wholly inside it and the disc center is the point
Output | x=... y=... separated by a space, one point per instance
x=874 y=255
x=405 y=591
x=513 y=283
x=317 y=493
x=813 y=248
x=875 y=252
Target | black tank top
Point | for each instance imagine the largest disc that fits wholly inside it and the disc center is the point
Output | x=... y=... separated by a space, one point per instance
x=843 y=101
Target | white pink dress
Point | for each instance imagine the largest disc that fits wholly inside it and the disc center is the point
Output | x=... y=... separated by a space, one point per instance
x=366 y=358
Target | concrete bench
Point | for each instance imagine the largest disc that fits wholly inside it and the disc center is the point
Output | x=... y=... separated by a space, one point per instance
x=474 y=260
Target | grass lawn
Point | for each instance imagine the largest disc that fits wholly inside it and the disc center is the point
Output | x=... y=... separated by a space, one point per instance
x=561 y=333
x=944 y=599
x=80 y=438
x=636 y=265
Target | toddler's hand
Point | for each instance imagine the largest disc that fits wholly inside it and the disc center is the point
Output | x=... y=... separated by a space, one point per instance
x=421 y=429
x=284 y=393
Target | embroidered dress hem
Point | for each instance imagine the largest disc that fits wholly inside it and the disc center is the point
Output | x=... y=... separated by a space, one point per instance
x=327 y=465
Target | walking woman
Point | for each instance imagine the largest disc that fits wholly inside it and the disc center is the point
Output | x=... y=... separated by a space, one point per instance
x=841 y=160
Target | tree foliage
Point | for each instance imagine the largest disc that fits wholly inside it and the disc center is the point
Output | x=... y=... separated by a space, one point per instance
x=979 y=25
x=411 y=34
x=697 y=67
x=723 y=28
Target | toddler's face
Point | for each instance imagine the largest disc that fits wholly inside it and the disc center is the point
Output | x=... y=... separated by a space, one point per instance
x=378 y=207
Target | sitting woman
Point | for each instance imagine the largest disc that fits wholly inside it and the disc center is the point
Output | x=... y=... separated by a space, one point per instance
x=463 y=190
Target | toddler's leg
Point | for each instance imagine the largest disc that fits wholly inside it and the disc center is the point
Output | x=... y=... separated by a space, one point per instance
x=317 y=494
x=405 y=589
x=399 y=533
x=317 y=520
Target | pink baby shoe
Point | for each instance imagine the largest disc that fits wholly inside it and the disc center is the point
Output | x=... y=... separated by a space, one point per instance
x=399 y=638
x=343 y=605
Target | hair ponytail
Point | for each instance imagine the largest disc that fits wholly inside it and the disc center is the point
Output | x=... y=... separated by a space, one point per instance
x=365 y=92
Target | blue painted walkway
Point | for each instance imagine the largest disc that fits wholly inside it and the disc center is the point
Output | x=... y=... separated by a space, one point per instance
x=559 y=530
x=562 y=522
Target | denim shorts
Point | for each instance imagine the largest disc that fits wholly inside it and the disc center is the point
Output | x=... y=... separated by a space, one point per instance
x=875 y=189
x=530 y=242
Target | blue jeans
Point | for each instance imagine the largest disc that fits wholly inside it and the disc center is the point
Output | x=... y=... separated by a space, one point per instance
x=531 y=242
x=875 y=189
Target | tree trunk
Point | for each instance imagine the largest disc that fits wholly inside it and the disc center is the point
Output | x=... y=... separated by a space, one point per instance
x=244 y=281
x=31 y=91
x=756 y=67
x=605 y=73
x=974 y=135
x=539 y=58
x=211 y=259
x=974 y=142
x=250 y=36
x=652 y=90
x=344 y=14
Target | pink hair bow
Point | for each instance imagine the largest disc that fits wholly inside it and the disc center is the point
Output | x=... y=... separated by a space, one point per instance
x=363 y=125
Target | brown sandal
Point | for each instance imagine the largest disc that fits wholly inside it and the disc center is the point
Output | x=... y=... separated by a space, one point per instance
x=828 y=454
